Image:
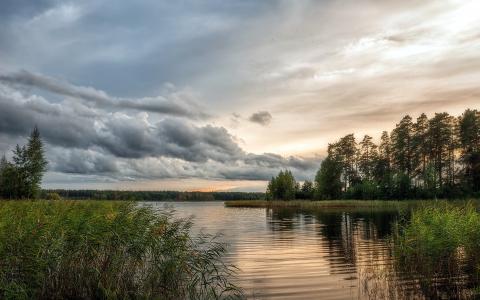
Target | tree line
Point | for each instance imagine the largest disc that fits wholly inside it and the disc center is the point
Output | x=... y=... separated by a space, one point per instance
x=21 y=177
x=150 y=195
x=419 y=159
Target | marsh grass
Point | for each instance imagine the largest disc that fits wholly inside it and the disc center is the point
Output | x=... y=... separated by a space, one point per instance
x=326 y=204
x=439 y=245
x=107 y=250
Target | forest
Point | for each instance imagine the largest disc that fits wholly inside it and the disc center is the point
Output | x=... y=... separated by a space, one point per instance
x=426 y=158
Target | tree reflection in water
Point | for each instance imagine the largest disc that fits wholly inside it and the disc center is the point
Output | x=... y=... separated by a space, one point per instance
x=358 y=244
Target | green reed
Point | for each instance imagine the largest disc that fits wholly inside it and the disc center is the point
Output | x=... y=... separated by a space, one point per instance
x=439 y=245
x=107 y=250
x=323 y=203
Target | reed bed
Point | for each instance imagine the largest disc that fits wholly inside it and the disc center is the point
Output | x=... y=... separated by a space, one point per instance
x=439 y=245
x=107 y=250
x=308 y=204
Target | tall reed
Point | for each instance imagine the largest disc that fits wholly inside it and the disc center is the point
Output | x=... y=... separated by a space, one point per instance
x=439 y=248
x=107 y=250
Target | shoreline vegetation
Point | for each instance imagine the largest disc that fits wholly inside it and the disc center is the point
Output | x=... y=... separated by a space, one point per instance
x=441 y=241
x=347 y=204
x=317 y=204
x=426 y=158
x=107 y=250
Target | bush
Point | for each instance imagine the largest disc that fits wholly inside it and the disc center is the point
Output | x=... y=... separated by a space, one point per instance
x=114 y=250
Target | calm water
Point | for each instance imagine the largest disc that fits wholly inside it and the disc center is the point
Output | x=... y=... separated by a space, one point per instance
x=290 y=254
x=315 y=254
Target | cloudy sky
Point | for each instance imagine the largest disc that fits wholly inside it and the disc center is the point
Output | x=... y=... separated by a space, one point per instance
x=220 y=95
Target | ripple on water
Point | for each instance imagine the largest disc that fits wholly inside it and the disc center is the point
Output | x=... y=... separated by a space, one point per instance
x=290 y=254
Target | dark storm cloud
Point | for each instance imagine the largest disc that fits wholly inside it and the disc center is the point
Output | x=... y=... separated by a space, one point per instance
x=120 y=135
x=82 y=162
x=262 y=117
x=100 y=98
x=118 y=145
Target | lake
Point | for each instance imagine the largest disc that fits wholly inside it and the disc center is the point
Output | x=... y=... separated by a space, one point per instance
x=317 y=254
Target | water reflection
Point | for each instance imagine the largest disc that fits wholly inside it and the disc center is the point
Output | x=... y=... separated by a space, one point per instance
x=315 y=254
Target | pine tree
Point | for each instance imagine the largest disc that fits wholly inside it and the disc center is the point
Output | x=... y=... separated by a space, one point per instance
x=469 y=141
x=367 y=158
x=36 y=163
x=22 y=178
x=421 y=148
x=441 y=135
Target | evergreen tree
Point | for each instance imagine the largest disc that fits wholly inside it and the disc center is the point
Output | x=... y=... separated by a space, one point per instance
x=367 y=158
x=441 y=134
x=469 y=140
x=402 y=146
x=344 y=152
x=22 y=178
x=383 y=169
x=421 y=149
x=36 y=163
x=437 y=157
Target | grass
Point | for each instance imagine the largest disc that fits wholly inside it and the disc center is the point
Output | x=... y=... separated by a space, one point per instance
x=441 y=243
x=106 y=250
x=308 y=204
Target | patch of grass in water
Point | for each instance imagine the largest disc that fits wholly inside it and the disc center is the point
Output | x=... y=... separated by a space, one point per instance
x=107 y=250
x=440 y=244
x=323 y=203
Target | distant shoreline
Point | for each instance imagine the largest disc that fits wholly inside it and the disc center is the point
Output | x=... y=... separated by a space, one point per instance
x=336 y=203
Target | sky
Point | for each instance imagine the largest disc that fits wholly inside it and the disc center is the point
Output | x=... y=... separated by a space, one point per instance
x=218 y=94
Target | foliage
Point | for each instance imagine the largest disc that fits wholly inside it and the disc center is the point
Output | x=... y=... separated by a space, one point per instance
x=327 y=181
x=428 y=158
x=153 y=195
x=282 y=187
x=306 y=191
x=22 y=178
x=440 y=241
x=100 y=250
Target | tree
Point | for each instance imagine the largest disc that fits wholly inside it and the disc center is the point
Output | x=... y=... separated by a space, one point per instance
x=328 y=184
x=429 y=158
x=367 y=158
x=402 y=146
x=36 y=163
x=282 y=187
x=421 y=148
x=8 y=178
x=306 y=191
x=383 y=170
x=22 y=178
x=442 y=139
x=344 y=152
x=402 y=156
x=469 y=140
